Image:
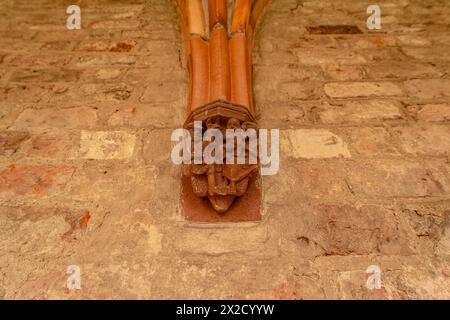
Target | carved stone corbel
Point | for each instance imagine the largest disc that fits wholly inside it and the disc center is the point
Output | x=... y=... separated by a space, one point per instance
x=219 y=59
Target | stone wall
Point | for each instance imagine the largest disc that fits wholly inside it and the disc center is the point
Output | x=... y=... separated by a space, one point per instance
x=86 y=177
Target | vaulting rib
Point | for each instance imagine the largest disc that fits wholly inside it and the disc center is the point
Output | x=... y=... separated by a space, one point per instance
x=219 y=58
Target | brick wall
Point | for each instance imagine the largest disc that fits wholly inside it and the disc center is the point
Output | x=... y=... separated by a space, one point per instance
x=86 y=179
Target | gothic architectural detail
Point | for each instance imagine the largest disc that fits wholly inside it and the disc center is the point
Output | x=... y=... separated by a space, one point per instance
x=221 y=183
x=218 y=42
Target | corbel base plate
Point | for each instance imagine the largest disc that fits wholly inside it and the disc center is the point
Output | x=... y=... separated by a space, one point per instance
x=245 y=208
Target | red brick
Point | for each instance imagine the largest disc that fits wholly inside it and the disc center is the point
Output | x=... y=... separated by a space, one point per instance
x=17 y=34
x=370 y=141
x=428 y=54
x=365 y=41
x=401 y=70
x=398 y=178
x=430 y=112
x=413 y=41
x=137 y=76
x=346 y=230
x=164 y=92
x=428 y=89
x=299 y=180
x=20 y=93
x=296 y=288
x=45 y=75
x=292 y=113
x=274 y=43
x=115 y=183
x=39 y=287
x=160 y=48
x=59 y=35
x=122 y=24
x=104 y=60
x=267 y=58
x=8 y=113
x=4 y=75
x=428 y=220
x=10 y=141
x=149 y=116
x=105 y=45
x=36 y=180
x=82 y=117
x=23 y=46
x=289 y=91
x=345 y=73
x=74 y=217
x=40 y=60
x=284 y=73
x=427 y=140
x=378 y=55
x=159 y=32
x=157 y=152
x=321 y=56
x=93 y=92
x=362 y=89
x=57 y=46
x=102 y=75
x=367 y=111
x=52 y=145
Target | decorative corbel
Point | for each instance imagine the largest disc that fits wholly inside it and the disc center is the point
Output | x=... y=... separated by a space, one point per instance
x=219 y=60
